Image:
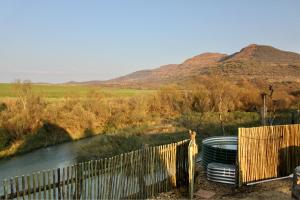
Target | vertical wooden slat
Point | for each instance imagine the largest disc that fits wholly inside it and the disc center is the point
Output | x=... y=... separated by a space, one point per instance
x=28 y=187
x=139 y=175
x=157 y=171
x=116 y=175
x=17 y=186
x=108 y=185
x=5 y=192
x=104 y=182
x=153 y=171
x=146 y=174
x=68 y=183
x=136 y=171
x=53 y=183
x=130 y=172
x=161 y=174
x=113 y=177
x=39 y=185
x=84 y=178
x=100 y=179
x=95 y=179
x=99 y=175
x=168 y=167
x=44 y=185
x=89 y=180
x=110 y=178
x=58 y=184
x=23 y=187
x=11 y=181
x=34 y=185
x=63 y=195
x=72 y=182
x=142 y=173
x=119 y=176
x=173 y=159
x=122 y=176
x=76 y=182
x=49 y=184
x=81 y=181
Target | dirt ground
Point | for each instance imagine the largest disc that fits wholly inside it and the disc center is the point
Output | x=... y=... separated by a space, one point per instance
x=204 y=189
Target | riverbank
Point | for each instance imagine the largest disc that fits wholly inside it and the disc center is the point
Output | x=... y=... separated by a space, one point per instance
x=205 y=124
x=49 y=136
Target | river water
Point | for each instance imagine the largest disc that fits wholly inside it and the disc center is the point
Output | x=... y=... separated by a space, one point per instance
x=42 y=159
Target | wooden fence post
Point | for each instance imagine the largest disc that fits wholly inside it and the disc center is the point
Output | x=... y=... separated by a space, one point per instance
x=141 y=179
x=192 y=151
x=296 y=184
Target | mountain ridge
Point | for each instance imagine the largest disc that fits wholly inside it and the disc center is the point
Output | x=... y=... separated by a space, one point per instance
x=251 y=62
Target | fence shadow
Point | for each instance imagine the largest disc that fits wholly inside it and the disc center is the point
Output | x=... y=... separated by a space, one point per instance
x=268 y=152
x=289 y=159
x=49 y=134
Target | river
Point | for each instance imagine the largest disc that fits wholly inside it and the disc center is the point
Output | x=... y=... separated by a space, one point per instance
x=42 y=159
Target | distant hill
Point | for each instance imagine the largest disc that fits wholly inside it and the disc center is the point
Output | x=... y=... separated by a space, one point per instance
x=169 y=73
x=252 y=62
x=264 y=53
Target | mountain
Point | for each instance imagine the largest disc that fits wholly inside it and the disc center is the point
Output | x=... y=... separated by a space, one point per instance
x=254 y=62
x=169 y=73
x=260 y=62
x=263 y=53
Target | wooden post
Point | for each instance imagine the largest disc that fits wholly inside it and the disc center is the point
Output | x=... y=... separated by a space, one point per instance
x=296 y=184
x=239 y=181
x=264 y=109
x=141 y=173
x=192 y=151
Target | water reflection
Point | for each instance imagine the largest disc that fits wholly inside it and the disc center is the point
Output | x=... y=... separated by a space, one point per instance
x=42 y=159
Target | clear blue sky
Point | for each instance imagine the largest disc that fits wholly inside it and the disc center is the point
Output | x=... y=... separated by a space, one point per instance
x=60 y=40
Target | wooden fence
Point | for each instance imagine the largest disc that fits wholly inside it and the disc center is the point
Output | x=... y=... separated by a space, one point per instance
x=135 y=175
x=267 y=152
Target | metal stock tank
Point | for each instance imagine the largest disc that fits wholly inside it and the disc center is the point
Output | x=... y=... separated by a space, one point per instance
x=219 y=158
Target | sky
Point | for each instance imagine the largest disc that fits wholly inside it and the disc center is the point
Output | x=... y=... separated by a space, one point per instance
x=58 y=41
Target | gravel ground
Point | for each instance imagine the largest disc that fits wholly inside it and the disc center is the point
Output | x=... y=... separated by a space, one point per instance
x=275 y=190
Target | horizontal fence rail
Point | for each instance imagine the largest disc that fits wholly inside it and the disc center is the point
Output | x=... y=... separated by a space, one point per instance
x=135 y=175
x=268 y=152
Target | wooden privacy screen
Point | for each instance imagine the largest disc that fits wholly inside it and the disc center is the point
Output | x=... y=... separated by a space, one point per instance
x=267 y=152
x=138 y=175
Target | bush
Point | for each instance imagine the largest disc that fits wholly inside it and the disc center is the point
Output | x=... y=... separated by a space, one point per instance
x=4 y=139
x=3 y=107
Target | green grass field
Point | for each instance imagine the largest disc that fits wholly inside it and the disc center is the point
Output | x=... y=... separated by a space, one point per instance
x=53 y=91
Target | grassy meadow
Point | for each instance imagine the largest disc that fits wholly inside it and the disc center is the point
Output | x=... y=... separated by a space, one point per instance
x=33 y=116
x=58 y=91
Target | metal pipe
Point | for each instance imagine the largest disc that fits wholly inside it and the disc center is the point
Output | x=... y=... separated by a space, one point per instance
x=269 y=180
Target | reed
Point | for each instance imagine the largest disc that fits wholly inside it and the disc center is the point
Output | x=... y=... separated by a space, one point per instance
x=267 y=152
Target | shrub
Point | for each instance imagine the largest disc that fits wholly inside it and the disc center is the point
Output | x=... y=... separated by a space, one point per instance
x=3 y=107
x=4 y=139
